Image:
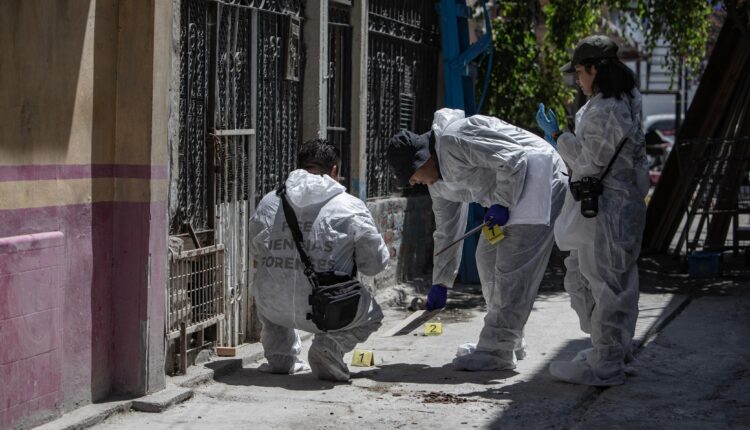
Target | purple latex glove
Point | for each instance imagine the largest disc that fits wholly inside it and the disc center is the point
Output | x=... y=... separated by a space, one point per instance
x=437 y=297
x=496 y=215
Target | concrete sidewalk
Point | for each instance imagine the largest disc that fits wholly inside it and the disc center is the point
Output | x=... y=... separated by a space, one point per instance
x=691 y=375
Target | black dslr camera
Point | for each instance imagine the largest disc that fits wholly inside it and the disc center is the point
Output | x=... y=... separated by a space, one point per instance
x=587 y=191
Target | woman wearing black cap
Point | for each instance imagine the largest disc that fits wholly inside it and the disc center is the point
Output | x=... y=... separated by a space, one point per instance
x=602 y=221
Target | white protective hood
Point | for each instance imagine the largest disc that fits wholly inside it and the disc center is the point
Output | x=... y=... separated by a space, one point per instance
x=306 y=189
x=335 y=227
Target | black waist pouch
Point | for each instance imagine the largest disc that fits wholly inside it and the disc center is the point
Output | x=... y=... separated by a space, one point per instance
x=334 y=300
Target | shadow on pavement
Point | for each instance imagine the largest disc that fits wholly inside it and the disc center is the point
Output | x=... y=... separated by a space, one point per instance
x=256 y=378
x=542 y=401
x=424 y=374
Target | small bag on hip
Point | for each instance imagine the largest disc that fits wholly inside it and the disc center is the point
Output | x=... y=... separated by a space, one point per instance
x=335 y=295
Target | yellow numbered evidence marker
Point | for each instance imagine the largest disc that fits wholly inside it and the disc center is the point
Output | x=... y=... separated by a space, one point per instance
x=363 y=358
x=494 y=234
x=433 y=329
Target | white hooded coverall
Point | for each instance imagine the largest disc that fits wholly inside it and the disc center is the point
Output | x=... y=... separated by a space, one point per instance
x=602 y=276
x=488 y=161
x=335 y=226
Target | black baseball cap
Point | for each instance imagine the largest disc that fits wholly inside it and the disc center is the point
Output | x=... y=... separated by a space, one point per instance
x=407 y=152
x=591 y=48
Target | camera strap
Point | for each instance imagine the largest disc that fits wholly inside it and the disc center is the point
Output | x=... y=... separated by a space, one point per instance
x=291 y=220
x=611 y=161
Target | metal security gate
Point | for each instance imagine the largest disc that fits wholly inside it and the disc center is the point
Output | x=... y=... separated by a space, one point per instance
x=279 y=90
x=340 y=84
x=239 y=130
x=233 y=130
x=402 y=67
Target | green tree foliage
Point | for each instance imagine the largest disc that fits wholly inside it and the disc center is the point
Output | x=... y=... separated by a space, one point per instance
x=532 y=42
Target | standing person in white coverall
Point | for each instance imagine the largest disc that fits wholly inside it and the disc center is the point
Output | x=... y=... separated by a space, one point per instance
x=337 y=229
x=602 y=276
x=519 y=178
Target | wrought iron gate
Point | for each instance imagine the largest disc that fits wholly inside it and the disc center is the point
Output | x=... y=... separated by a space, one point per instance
x=340 y=84
x=233 y=130
x=279 y=93
x=240 y=106
x=402 y=68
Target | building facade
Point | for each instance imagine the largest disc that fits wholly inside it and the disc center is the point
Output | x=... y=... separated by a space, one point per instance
x=136 y=139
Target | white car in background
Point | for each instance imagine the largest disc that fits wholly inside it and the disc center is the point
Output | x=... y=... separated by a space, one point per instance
x=663 y=123
x=659 y=131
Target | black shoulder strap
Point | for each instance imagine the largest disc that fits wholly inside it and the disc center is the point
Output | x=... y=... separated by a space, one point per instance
x=291 y=220
x=612 y=161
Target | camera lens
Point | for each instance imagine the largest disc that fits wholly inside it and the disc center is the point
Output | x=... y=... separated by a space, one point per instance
x=589 y=206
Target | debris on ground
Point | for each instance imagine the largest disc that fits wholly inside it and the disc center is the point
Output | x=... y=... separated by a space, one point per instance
x=439 y=397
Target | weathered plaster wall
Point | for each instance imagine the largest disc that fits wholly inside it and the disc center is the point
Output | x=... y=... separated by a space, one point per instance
x=50 y=92
x=83 y=132
x=406 y=224
x=31 y=313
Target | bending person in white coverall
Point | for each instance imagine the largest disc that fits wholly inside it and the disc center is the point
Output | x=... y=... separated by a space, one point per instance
x=337 y=228
x=519 y=178
x=602 y=276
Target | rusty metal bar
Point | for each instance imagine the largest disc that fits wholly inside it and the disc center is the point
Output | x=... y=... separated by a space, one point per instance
x=183 y=348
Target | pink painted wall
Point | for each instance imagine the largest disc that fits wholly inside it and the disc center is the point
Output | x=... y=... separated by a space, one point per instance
x=31 y=302
x=78 y=263
x=81 y=303
x=140 y=259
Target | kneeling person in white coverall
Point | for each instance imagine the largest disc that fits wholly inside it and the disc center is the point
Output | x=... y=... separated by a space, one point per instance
x=337 y=229
x=518 y=177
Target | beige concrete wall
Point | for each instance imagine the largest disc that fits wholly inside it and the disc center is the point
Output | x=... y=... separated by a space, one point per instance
x=315 y=85
x=79 y=88
x=135 y=98
x=68 y=84
x=359 y=99
x=49 y=101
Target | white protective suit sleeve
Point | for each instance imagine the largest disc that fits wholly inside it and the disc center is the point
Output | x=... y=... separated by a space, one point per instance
x=476 y=142
x=370 y=251
x=259 y=226
x=450 y=224
x=602 y=133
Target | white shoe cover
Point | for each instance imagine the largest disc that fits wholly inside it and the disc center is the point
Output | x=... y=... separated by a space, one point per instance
x=482 y=360
x=299 y=366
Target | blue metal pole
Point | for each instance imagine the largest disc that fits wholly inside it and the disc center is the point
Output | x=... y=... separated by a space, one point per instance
x=459 y=94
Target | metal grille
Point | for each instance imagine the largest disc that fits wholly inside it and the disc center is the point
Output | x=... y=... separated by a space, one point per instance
x=192 y=193
x=196 y=288
x=339 y=84
x=279 y=100
x=233 y=118
x=402 y=87
x=293 y=7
